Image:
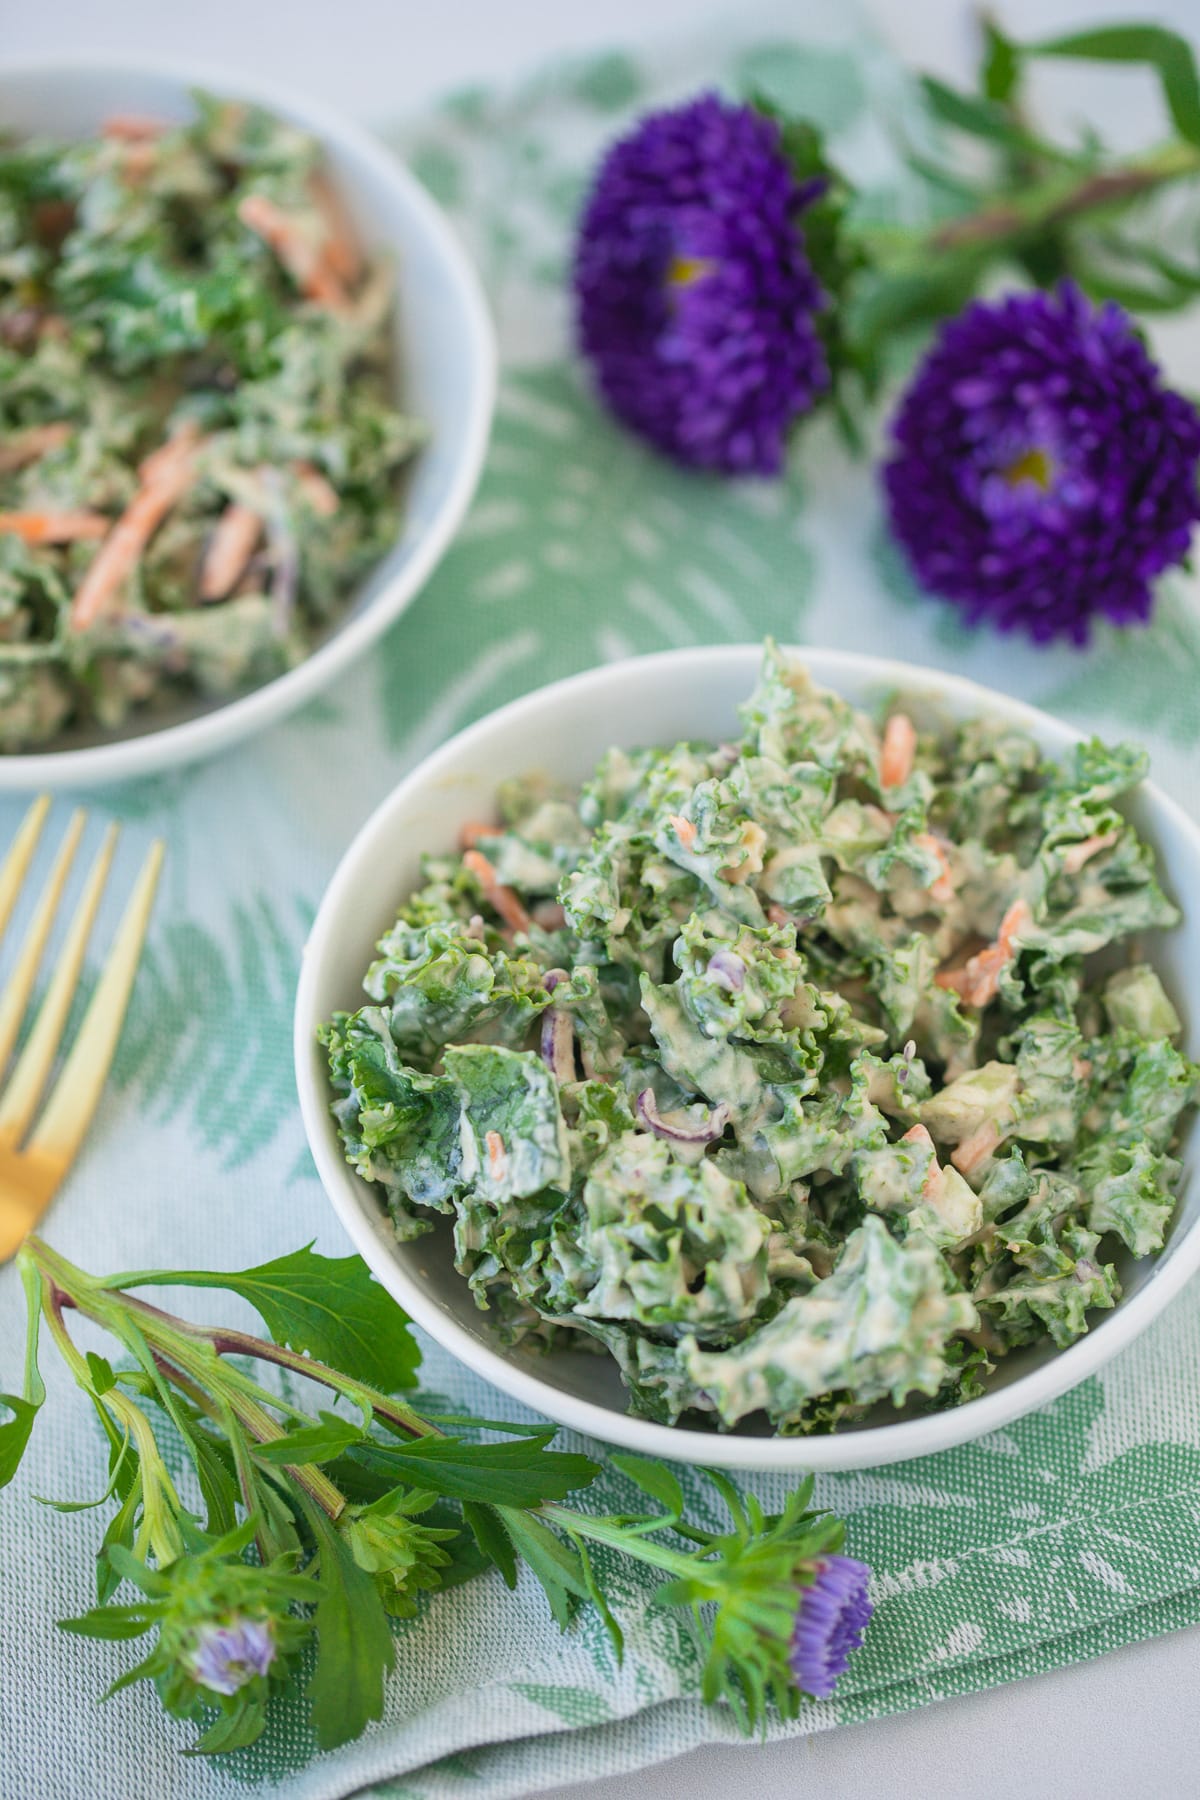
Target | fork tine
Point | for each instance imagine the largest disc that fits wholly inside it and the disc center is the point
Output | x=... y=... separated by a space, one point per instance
x=15 y=997
x=33 y=1066
x=20 y=855
x=75 y=1094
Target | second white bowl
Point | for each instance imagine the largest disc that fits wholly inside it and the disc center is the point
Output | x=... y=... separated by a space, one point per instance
x=445 y=370
x=564 y=729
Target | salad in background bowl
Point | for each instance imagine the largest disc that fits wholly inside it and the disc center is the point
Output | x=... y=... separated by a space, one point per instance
x=248 y=378
x=821 y=1074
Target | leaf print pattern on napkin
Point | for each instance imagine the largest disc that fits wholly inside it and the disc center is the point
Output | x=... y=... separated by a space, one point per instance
x=598 y=550
x=500 y=162
x=208 y=1033
x=1148 y=679
x=574 y=1705
x=1030 y=1542
x=824 y=86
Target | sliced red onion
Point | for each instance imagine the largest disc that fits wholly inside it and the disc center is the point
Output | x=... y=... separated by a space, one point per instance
x=551 y=979
x=653 y=1120
x=728 y=970
x=558 y=1043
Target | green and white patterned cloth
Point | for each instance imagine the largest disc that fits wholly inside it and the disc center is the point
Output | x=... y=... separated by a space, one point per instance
x=1067 y=1535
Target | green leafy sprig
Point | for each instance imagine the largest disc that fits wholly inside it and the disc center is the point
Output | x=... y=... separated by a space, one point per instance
x=311 y=1528
x=1009 y=194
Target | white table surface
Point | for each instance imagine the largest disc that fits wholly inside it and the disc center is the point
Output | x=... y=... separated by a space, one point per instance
x=1128 y=1722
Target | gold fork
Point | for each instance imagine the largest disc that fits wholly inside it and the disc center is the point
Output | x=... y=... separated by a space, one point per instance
x=34 y=1163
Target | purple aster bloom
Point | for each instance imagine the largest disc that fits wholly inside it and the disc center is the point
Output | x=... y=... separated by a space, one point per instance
x=1043 y=475
x=695 y=298
x=226 y=1657
x=833 y=1614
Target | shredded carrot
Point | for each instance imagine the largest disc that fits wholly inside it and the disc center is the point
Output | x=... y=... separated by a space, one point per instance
x=684 y=830
x=133 y=128
x=138 y=160
x=54 y=527
x=500 y=898
x=304 y=260
x=25 y=447
x=942 y=887
x=171 y=465
x=919 y=1134
x=165 y=476
x=1076 y=855
x=341 y=252
x=978 y=981
x=778 y=915
x=1081 y=1068
x=899 y=751
x=472 y=831
x=497 y=1155
x=1014 y=920
x=320 y=494
x=975 y=1149
x=230 y=548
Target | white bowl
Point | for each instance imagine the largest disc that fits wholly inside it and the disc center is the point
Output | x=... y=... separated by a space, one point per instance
x=659 y=699
x=446 y=373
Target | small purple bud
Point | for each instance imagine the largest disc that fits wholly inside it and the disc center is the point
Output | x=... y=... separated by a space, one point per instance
x=830 y=1620
x=706 y=1133
x=727 y=970
x=227 y=1656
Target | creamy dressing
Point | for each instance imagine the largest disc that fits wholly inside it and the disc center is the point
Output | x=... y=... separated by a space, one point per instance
x=809 y=1098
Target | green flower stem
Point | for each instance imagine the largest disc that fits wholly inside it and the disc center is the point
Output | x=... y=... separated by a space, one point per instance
x=255 y=1419
x=384 y=1406
x=608 y=1531
x=241 y=1343
x=161 y=1504
x=163 y=1326
x=175 y=1348
x=1066 y=194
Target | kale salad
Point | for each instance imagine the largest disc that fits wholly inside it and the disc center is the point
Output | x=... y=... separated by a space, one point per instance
x=199 y=444
x=799 y=1074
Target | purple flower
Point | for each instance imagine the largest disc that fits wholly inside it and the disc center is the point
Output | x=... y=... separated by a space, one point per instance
x=1043 y=475
x=225 y=1657
x=695 y=299
x=834 y=1612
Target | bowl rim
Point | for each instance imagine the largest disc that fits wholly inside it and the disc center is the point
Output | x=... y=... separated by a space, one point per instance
x=869 y=1447
x=169 y=746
